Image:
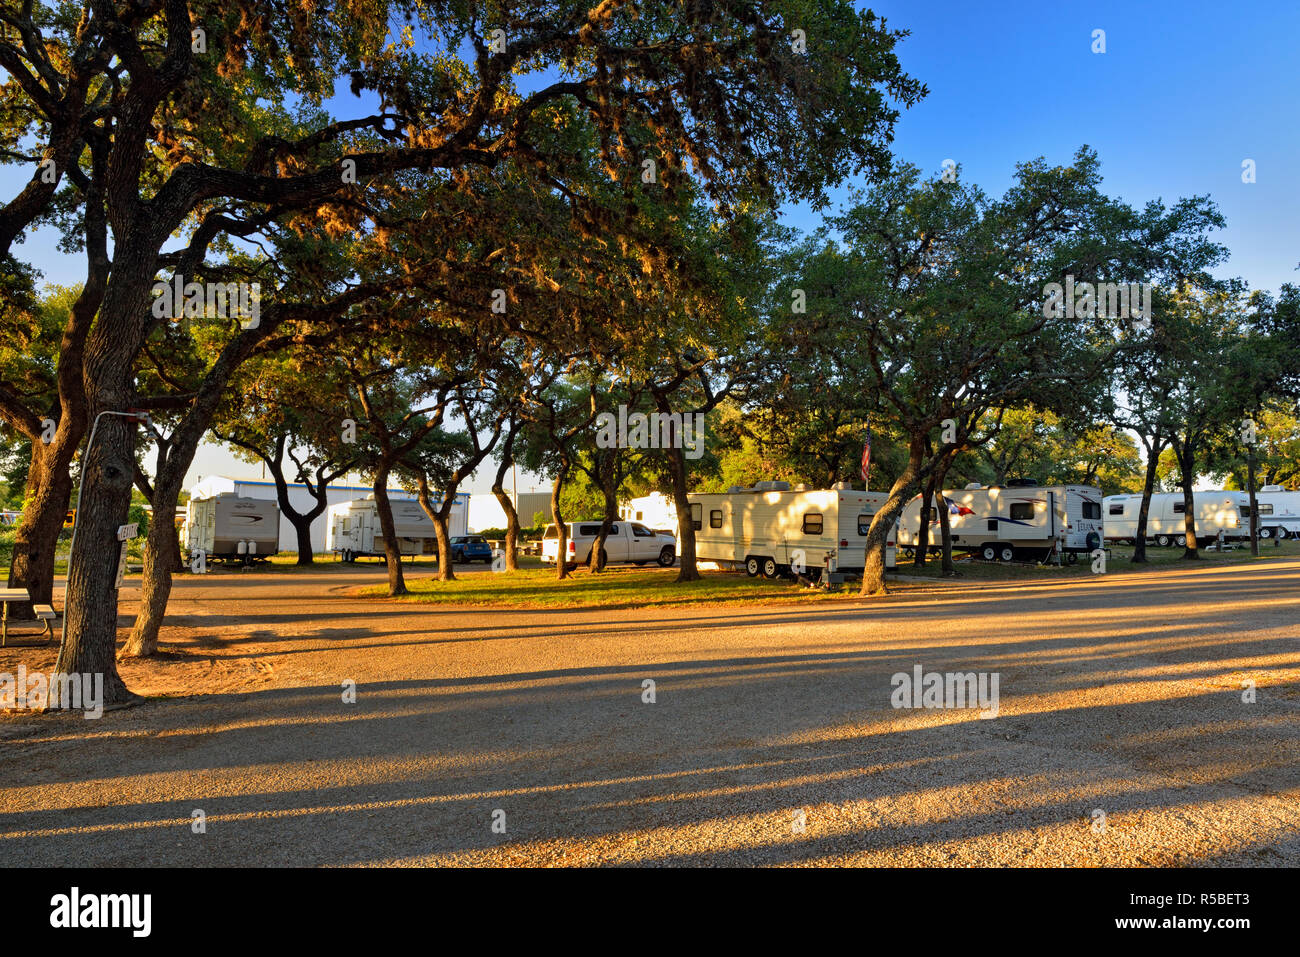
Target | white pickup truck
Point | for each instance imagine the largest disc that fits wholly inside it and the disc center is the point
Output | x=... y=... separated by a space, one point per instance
x=626 y=542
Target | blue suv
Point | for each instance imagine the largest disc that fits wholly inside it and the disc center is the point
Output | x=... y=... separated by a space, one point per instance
x=470 y=548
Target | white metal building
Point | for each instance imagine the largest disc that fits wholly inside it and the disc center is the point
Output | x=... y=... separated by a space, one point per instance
x=486 y=512
x=302 y=500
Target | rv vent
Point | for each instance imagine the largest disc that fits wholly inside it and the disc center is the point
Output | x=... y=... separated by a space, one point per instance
x=846 y=486
x=772 y=486
x=734 y=490
x=801 y=487
x=974 y=485
x=1022 y=483
x=1272 y=488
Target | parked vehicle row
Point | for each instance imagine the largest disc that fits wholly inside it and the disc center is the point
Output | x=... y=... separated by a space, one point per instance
x=1005 y=523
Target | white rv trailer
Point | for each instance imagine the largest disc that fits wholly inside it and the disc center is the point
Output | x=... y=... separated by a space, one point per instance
x=763 y=529
x=230 y=526
x=1002 y=523
x=354 y=530
x=1279 y=512
x=1216 y=511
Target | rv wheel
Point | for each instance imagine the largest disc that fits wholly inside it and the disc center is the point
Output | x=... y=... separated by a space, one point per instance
x=1162 y=541
x=1007 y=553
x=1266 y=533
x=752 y=567
x=770 y=569
x=1180 y=540
x=667 y=556
x=989 y=553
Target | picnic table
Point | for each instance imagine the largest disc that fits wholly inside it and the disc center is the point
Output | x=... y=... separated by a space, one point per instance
x=43 y=612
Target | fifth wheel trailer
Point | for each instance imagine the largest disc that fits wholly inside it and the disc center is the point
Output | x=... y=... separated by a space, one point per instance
x=1001 y=523
x=1216 y=511
x=765 y=528
x=1279 y=512
x=229 y=526
x=354 y=530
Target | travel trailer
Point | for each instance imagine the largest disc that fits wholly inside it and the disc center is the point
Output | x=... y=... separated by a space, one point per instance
x=770 y=528
x=1003 y=523
x=1216 y=511
x=354 y=531
x=227 y=526
x=1279 y=512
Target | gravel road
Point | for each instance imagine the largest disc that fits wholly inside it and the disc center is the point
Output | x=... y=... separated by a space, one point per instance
x=485 y=737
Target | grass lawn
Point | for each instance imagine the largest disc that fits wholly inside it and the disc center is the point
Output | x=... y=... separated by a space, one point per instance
x=615 y=587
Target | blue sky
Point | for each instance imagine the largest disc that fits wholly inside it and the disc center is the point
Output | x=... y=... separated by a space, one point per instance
x=1184 y=92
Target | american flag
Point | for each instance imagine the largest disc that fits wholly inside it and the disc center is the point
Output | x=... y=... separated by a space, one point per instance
x=866 y=460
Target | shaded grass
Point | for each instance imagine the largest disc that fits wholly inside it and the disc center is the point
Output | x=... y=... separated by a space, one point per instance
x=615 y=587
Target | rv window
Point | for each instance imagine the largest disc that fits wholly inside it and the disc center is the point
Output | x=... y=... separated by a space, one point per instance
x=1091 y=510
x=1117 y=508
x=640 y=531
x=812 y=523
x=1024 y=511
x=1180 y=508
x=864 y=523
x=345 y=525
x=1265 y=508
x=697 y=515
x=715 y=518
x=993 y=524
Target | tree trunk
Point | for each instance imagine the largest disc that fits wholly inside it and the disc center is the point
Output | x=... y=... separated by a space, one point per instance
x=392 y=550
x=1254 y=502
x=561 y=531
x=161 y=553
x=609 y=489
x=45 y=507
x=923 y=532
x=512 y=526
x=873 y=574
x=89 y=643
x=1144 y=510
x=439 y=516
x=302 y=532
x=507 y=504
x=685 y=523
x=1187 y=469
